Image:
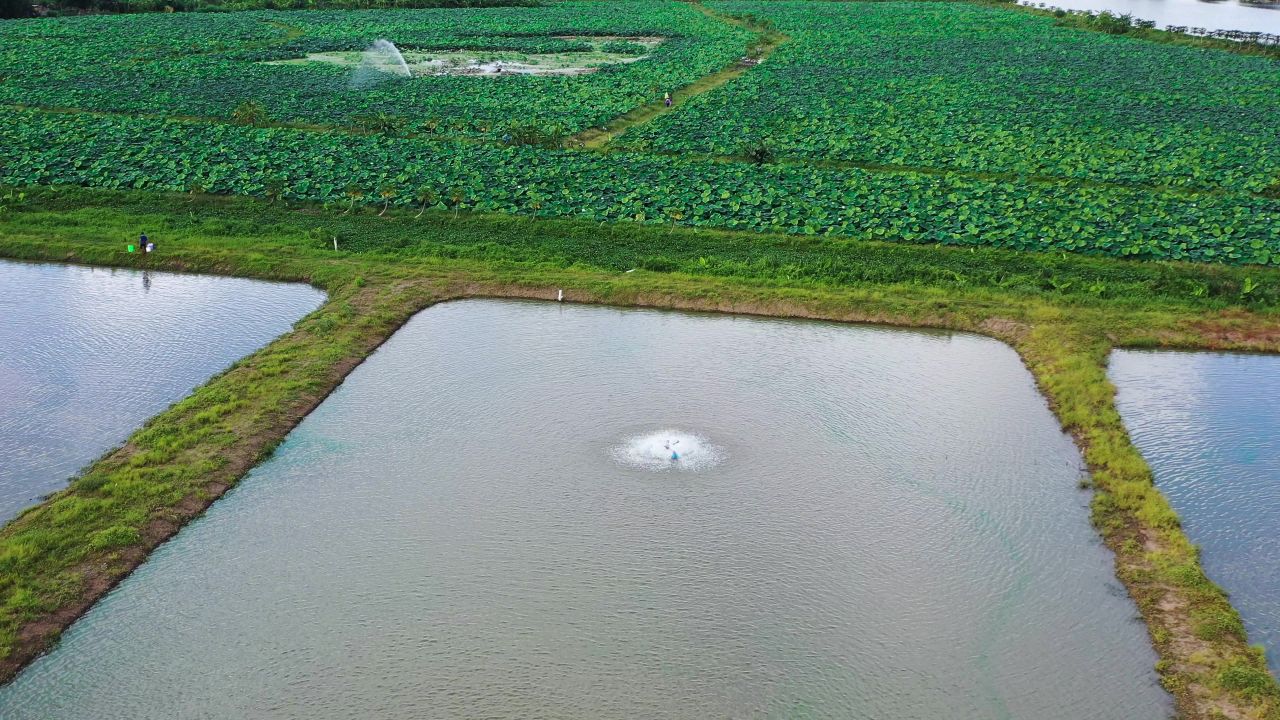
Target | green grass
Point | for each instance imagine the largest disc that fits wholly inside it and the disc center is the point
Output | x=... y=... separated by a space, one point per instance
x=58 y=557
x=1065 y=278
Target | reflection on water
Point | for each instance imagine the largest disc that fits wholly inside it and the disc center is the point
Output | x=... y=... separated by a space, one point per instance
x=1209 y=426
x=1223 y=15
x=87 y=355
x=893 y=531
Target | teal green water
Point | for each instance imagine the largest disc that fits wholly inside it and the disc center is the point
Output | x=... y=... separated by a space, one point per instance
x=1209 y=426
x=480 y=523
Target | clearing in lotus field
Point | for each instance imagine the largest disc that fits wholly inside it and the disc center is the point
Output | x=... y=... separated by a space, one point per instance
x=602 y=52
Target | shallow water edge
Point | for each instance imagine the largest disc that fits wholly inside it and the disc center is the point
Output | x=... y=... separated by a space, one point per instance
x=88 y=355
x=1209 y=426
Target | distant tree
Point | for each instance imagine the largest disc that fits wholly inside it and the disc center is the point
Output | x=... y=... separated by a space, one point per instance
x=15 y=9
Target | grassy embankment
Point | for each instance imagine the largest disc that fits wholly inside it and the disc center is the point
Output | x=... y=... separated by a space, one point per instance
x=1062 y=313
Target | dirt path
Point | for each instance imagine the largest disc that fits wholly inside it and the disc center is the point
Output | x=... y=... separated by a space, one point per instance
x=767 y=40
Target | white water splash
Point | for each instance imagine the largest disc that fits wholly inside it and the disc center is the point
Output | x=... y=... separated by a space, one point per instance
x=653 y=451
x=381 y=61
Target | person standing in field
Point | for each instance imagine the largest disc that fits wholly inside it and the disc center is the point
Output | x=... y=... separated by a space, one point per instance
x=666 y=99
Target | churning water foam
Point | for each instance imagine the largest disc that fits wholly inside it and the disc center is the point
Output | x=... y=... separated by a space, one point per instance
x=652 y=451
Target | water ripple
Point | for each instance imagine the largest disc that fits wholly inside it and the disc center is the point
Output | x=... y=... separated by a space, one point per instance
x=87 y=355
x=1209 y=426
x=893 y=530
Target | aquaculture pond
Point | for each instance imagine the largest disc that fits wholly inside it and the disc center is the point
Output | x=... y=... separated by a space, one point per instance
x=1263 y=17
x=485 y=520
x=87 y=355
x=1209 y=426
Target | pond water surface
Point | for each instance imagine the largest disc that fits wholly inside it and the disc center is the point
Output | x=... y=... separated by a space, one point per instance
x=1209 y=426
x=872 y=524
x=87 y=355
x=1261 y=17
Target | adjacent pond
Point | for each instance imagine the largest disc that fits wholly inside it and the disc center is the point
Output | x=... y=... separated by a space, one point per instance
x=1209 y=426
x=87 y=355
x=864 y=523
x=1261 y=17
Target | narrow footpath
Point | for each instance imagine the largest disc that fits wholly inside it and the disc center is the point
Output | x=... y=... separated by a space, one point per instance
x=767 y=40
